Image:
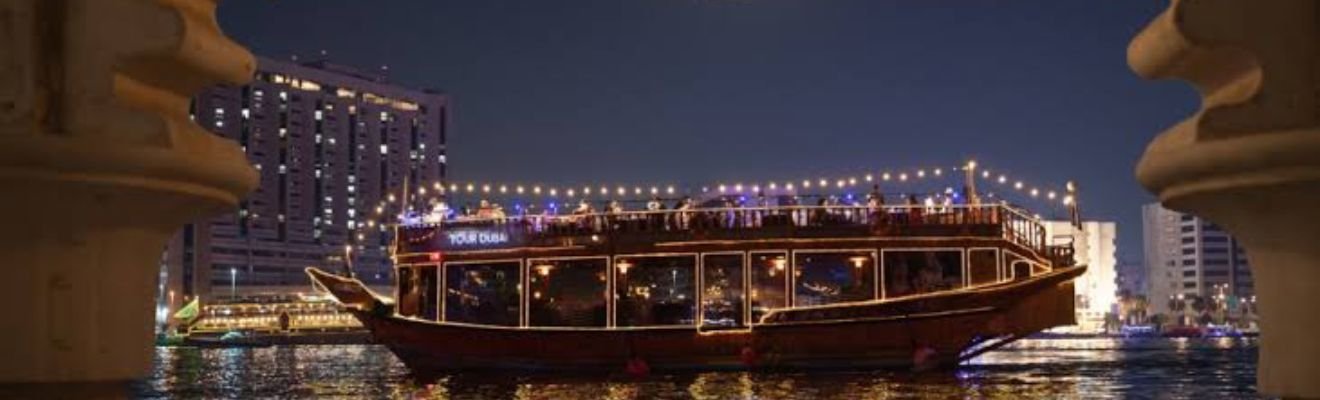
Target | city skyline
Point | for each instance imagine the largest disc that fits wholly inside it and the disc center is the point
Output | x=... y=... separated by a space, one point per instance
x=787 y=89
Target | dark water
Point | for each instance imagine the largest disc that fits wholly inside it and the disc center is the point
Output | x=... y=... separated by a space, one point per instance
x=1031 y=369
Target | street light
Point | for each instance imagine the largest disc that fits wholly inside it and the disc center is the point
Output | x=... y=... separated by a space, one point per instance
x=233 y=282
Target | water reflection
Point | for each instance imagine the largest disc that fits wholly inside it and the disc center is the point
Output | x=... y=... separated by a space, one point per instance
x=1039 y=369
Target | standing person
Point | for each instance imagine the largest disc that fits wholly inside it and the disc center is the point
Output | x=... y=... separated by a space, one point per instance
x=875 y=202
x=684 y=216
x=655 y=217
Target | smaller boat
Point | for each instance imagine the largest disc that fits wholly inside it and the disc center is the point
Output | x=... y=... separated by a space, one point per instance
x=227 y=340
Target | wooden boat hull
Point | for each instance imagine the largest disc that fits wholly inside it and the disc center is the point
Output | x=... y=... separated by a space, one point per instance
x=919 y=332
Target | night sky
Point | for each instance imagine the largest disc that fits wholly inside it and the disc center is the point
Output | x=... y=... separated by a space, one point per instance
x=640 y=91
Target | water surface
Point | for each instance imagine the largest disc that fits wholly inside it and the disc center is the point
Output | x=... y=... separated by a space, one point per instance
x=1031 y=369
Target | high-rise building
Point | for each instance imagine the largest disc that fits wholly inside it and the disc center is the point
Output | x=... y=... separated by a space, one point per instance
x=1189 y=257
x=1095 y=247
x=329 y=143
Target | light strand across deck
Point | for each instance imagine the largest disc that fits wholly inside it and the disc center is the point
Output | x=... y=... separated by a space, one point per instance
x=386 y=208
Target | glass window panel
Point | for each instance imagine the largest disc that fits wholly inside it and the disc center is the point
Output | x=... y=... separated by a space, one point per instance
x=430 y=291
x=409 y=292
x=984 y=266
x=722 y=291
x=769 y=282
x=834 y=277
x=486 y=293
x=656 y=290
x=912 y=272
x=567 y=292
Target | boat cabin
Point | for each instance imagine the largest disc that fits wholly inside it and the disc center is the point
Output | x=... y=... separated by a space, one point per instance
x=709 y=269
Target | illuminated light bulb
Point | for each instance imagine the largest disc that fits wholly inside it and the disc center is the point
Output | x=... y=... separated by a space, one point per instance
x=485 y=188
x=469 y=188
x=604 y=190
x=1017 y=185
x=852 y=181
x=553 y=192
x=453 y=187
x=772 y=186
x=637 y=190
x=921 y=173
x=519 y=190
x=722 y=188
x=536 y=189
x=1050 y=196
x=971 y=164
x=824 y=183
x=869 y=178
x=902 y=177
x=585 y=190
x=788 y=186
x=705 y=189
x=504 y=189
x=1002 y=179
x=737 y=188
x=806 y=184
x=1034 y=192
x=654 y=190
x=1070 y=186
x=840 y=183
x=1067 y=200
x=669 y=190
x=939 y=172
x=570 y=193
x=621 y=191
x=756 y=189
x=985 y=174
x=885 y=176
x=438 y=186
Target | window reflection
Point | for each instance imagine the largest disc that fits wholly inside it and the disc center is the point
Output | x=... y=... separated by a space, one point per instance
x=722 y=291
x=567 y=292
x=833 y=277
x=983 y=265
x=655 y=290
x=485 y=293
x=769 y=282
x=912 y=272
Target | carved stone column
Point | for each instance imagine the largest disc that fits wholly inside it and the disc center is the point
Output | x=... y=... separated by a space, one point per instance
x=99 y=165
x=1250 y=158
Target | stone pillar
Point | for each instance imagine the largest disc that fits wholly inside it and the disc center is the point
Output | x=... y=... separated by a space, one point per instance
x=99 y=165
x=1249 y=160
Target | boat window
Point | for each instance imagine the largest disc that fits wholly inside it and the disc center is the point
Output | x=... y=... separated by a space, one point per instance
x=722 y=290
x=1021 y=270
x=983 y=266
x=567 y=292
x=769 y=282
x=912 y=272
x=409 y=293
x=483 y=293
x=655 y=290
x=430 y=292
x=822 y=278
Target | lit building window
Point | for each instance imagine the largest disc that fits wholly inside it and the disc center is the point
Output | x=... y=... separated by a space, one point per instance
x=219 y=111
x=352 y=213
x=317 y=115
x=352 y=188
x=384 y=116
x=246 y=113
x=284 y=96
x=283 y=169
x=283 y=132
x=257 y=166
x=318 y=138
x=219 y=124
x=384 y=149
x=332 y=141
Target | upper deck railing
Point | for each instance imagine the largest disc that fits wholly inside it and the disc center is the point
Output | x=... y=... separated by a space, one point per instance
x=471 y=233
